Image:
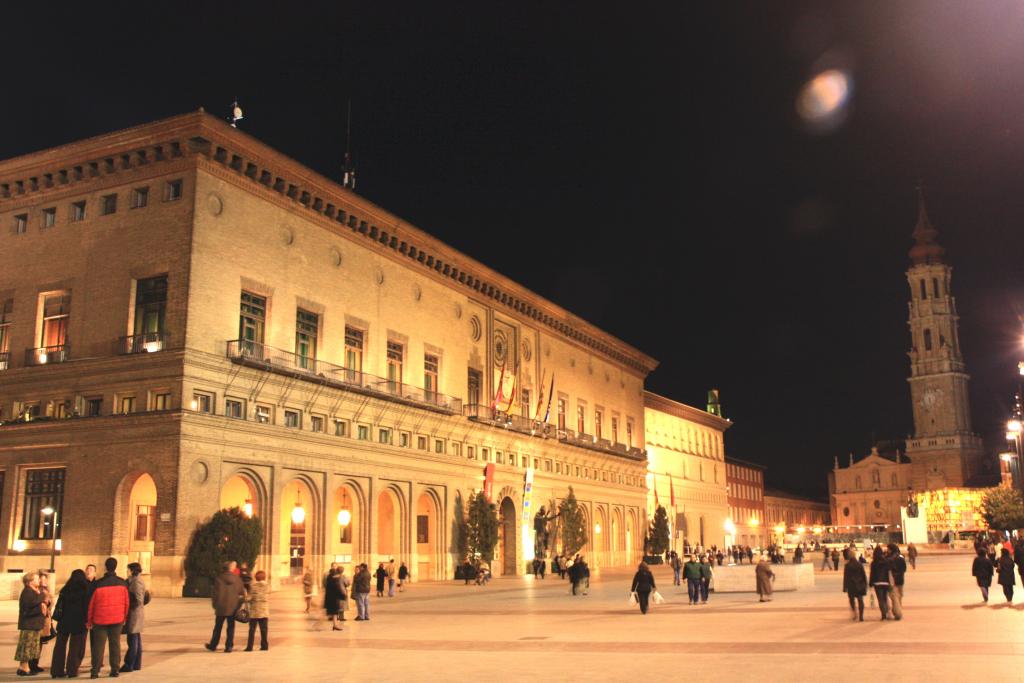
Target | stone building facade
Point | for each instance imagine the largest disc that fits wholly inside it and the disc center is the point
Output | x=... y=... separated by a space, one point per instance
x=686 y=470
x=791 y=512
x=195 y=321
x=745 y=482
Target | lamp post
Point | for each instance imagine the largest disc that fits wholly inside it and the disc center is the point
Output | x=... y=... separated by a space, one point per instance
x=52 y=514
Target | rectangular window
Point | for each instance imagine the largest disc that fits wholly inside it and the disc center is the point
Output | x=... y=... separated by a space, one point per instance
x=363 y=432
x=264 y=414
x=598 y=419
x=395 y=354
x=94 y=407
x=126 y=405
x=499 y=457
x=172 y=190
x=150 y=308
x=140 y=197
x=6 y=318
x=234 y=408
x=421 y=443
x=108 y=204
x=340 y=428
x=77 y=211
x=558 y=468
x=21 y=224
x=513 y=460
x=403 y=439
x=252 y=322
x=384 y=436
x=202 y=402
x=470 y=453
x=536 y=463
x=456 y=449
x=56 y=314
x=422 y=529
x=547 y=465
x=561 y=414
x=316 y=423
x=629 y=433
x=430 y=365
x=143 y=522
x=473 y=383
x=581 y=419
x=162 y=401
x=439 y=446
x=307 y=325
x=44 y=490
x=485 y=454
x=526 y=404
x=293 y=419
x=353 y=354
x=615 y=429
x=49 y=217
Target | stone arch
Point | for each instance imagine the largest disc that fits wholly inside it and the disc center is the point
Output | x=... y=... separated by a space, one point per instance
x=601 y=536
x=302 y=540
x=392 y=523
x=245 y=489
x=429 y=539
x=632 y=542
x=135 y=518
x=588 y=526
x=616 y=537
x=348 y=540
x=508 y=531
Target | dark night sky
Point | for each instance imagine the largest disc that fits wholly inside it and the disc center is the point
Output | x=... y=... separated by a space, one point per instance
x=644 y=168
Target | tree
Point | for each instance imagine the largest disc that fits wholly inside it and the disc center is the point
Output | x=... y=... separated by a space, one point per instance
x=460 y=531
x=482 y=527
x=573 y=525
x=1003 y=508
x=228 y=535
x=659 y=535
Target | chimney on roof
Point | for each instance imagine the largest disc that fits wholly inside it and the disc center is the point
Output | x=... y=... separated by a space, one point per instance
x=714 y=403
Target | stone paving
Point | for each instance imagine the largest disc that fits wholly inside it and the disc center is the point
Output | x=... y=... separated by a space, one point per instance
x=522 y=628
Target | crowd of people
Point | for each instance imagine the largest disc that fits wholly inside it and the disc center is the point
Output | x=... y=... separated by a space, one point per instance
x=102 y=608
x=986 y=565
x=885 y=576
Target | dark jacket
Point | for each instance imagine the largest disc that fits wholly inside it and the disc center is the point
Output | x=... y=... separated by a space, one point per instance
x=691 y=570
x=706 y=571
x=983 y=570
x=880 y=572
x=1006 y=572
x=109 y=603
x=643 y=581
x=898 y=568
x=361 y=582
x=228 y=592
x=380 y=575
x=855 y=579
x=403 y=572
x=332 y=594
x=30 y=610
x=73 y=606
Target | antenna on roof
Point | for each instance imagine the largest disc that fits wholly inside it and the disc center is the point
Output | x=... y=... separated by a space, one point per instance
x=348 y=169
x=236 y=113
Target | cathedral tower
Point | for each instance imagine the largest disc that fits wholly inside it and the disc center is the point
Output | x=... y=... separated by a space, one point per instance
x=944 y=451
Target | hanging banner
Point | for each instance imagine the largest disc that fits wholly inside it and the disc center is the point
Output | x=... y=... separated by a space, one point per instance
x=489 y=481
x=528 y=497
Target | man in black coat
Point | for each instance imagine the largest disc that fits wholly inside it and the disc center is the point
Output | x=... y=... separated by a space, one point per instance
x=898 y=570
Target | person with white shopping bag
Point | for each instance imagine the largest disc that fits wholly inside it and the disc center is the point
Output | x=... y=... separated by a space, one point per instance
x=643 y=584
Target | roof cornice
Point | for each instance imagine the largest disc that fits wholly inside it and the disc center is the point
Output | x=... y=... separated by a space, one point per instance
x=685 y=412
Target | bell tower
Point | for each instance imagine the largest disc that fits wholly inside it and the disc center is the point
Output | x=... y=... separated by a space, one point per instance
x=944 y=451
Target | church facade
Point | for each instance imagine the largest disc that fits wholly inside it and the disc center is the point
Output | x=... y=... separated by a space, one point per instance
x=944 y=453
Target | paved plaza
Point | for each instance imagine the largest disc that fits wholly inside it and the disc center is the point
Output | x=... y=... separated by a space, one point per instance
x=521 y=628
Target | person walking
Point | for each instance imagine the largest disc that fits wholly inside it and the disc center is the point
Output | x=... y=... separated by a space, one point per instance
x=982 y=570
x=835 y=560
x=912 y=555
x=136 y=617
x=31 y=619
x=879 y=579
x=691 y=572
x=750 y=555
x=391 y=577
x=826 y=560
x=403 y=576
x=897 y=574
x=677 y=568
x=855 y=585
x=467 y=571
x=345 y=584
x=361 y=586
x=228 y=593
x=765 y=576
x=108 y=611
x=643 y=584
x=1005 y=569
x=584 y=575
x=307 y=588
x=70 y=613
x=259 y=610
x=380 y=575
x=332 y=598
x=574 y=575
x=707 y=573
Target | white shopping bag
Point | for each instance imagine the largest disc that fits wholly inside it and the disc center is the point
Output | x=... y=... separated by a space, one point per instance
x=656 y=597
x=632 y=599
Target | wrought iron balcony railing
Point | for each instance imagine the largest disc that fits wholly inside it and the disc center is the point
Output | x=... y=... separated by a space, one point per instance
x=272 y=359
x=147 y=342
x=47 y=355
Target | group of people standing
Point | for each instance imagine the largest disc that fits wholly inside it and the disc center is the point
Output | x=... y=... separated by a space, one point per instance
x=234 y=589
x=1011 y=555
x=101 y=608
x=886 y=576
x=698 y=572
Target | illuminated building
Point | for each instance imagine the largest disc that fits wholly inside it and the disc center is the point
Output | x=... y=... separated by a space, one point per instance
x=745 y=481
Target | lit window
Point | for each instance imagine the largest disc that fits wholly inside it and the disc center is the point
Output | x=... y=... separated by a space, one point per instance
x=307 y=325
x=581 y=419
x=172 y=190
x=629 y=433
x=143 y=522
x=615 y=429
x=561 y=414
x=140 y=197
x=56 y=314
x=353 y=354
x=251 y=324
x=430 y=365
x=43 y=489
x=6 y=318
x=162 y=401
x=108 y=204
x=395 y=355
x=598 y=419
x=202 y=402
x=77 y=211
x=126 y=405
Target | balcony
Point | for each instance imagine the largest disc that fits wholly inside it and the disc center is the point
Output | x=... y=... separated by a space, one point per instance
x=263 y=357
x=148 y=342
x=5 y=360
x=516 y=423
x=47 y=355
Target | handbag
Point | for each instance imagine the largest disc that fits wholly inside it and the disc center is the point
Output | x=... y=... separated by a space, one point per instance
x=58 y=610
x=632 y=599
x=656 y=597
x=242 y=613
x=146 y=598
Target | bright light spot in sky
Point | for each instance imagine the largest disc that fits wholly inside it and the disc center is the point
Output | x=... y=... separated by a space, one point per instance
x=822 y=101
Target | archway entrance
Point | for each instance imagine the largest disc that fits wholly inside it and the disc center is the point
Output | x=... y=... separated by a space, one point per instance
x=508 y=537
x=389 y=525
x=630 y=536
x=298 y=515
x=427 y=537
x=616 y=537
x=239 y=492
x=346 y=525
x=601 y=532
x=140 y=521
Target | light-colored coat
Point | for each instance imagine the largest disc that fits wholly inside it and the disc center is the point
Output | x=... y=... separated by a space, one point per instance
x=764 y=575
x=136 y=615
x=259 y=606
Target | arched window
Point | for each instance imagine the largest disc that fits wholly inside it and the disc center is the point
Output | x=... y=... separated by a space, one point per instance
x=935 y=287
x=927 y=340
x=924 y=290
x=858 y=483
x=894 y=480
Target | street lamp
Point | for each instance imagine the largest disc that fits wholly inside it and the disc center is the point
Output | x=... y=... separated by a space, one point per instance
x=52 y=514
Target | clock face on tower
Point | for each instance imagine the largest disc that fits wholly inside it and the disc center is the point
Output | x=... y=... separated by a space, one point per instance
x=930 y=398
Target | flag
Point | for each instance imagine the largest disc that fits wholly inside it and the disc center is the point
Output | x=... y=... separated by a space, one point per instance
x=505 y=396
x=551 y=392
x=671 y=492
x=497 y=392
x=540 y=399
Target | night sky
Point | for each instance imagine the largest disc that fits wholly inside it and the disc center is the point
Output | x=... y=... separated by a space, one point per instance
x=644 y=168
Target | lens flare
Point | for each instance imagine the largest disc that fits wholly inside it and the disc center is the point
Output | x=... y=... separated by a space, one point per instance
x=823 y=100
